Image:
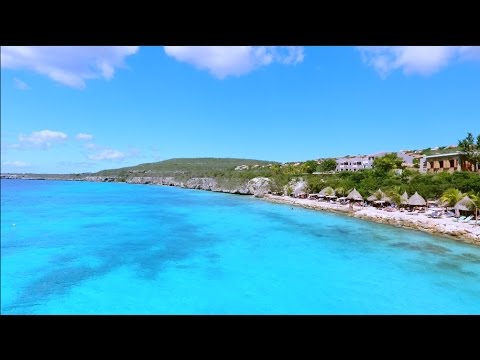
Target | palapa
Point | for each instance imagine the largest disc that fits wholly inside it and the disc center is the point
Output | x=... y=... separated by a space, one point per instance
x=416 y=200
x=354 y=195
x=466 y=204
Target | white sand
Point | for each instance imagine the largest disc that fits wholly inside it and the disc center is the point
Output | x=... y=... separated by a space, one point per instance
x=467 y=232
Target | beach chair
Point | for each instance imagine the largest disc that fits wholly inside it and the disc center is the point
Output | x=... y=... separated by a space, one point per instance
x=460 y=219
x=450 y=214
x=466 y=220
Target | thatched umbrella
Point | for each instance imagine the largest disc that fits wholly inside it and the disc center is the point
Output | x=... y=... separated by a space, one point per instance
x=404 y=198
x=354 y=195
x=466 y=204
x=416 y=200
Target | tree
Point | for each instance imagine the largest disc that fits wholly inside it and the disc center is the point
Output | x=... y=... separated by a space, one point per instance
x=379 y=194
x=309 y=166
x=276 y=169
x=388 y=162
x=395 y=194
x=475 y=204
x=341 y=191
x=328 y=191
x=471 y=149
x=289 y=190
x=327 y=165
x=452 y=196
x=292 y=170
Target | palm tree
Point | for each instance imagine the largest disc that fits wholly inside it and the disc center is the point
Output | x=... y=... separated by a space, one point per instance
x=450 y=197
x=328 y=191
x=475 y=204
x=395 y=194
x=341 y=191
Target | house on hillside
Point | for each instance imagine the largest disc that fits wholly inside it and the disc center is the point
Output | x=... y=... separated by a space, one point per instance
x=356 y=163
x=450 y=162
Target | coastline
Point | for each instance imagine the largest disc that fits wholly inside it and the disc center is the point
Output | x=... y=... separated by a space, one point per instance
x=440 y=227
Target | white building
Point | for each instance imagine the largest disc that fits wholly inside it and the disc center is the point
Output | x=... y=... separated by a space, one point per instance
x=355 y=163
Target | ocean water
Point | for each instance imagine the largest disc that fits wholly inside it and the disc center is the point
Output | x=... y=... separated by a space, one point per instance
x=105 y=248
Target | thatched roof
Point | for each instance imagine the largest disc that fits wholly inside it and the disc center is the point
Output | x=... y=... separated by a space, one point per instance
x=416 y=200
x=354 y=195
x=464 y=204
x=404 y=198
x=326 y=191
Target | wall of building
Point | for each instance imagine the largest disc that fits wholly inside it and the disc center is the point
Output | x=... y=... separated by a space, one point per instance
x=445 y=163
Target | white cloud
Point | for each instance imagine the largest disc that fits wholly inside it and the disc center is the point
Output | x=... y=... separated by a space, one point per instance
x=423 y=60
x=20 y=85
x=84 y=136
x=68 y=65
x=16 y=163
x=91 y=146
x=223 y=61
x=43 y=139
x=108 y=154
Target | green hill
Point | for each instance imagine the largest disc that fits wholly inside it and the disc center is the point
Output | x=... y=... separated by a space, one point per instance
x=189 y=167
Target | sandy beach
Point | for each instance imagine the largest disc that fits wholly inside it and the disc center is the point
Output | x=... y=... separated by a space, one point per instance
x=466 y=232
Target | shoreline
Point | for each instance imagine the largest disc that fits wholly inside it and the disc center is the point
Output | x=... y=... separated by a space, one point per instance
x=447 y=228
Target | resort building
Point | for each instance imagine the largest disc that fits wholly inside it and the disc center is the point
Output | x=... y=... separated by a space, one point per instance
x=445 y=162
x=356 y=163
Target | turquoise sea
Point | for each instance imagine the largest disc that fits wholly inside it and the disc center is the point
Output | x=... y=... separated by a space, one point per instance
x=106 y=248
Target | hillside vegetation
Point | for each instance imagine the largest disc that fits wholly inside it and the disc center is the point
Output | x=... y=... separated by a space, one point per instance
x=183 y=168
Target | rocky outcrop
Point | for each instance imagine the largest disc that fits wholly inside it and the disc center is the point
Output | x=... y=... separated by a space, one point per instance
x=201 y=183
x=100 y=178
x=155 y=180
x=258 y=186
x=296 y=186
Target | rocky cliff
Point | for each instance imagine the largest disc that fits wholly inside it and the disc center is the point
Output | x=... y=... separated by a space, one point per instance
x=257 y=186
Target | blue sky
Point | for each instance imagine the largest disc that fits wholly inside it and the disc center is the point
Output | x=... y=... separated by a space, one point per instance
x=81 y=109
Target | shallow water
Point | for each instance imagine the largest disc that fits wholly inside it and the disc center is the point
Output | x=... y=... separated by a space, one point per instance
x=104 y=248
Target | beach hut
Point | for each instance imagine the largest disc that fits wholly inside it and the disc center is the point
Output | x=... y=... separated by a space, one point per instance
x=466 y=205
x=404 y=198
x=354 y=195
x=416 y=200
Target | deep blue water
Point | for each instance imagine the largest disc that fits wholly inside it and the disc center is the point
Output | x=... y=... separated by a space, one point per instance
x=103 y=248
